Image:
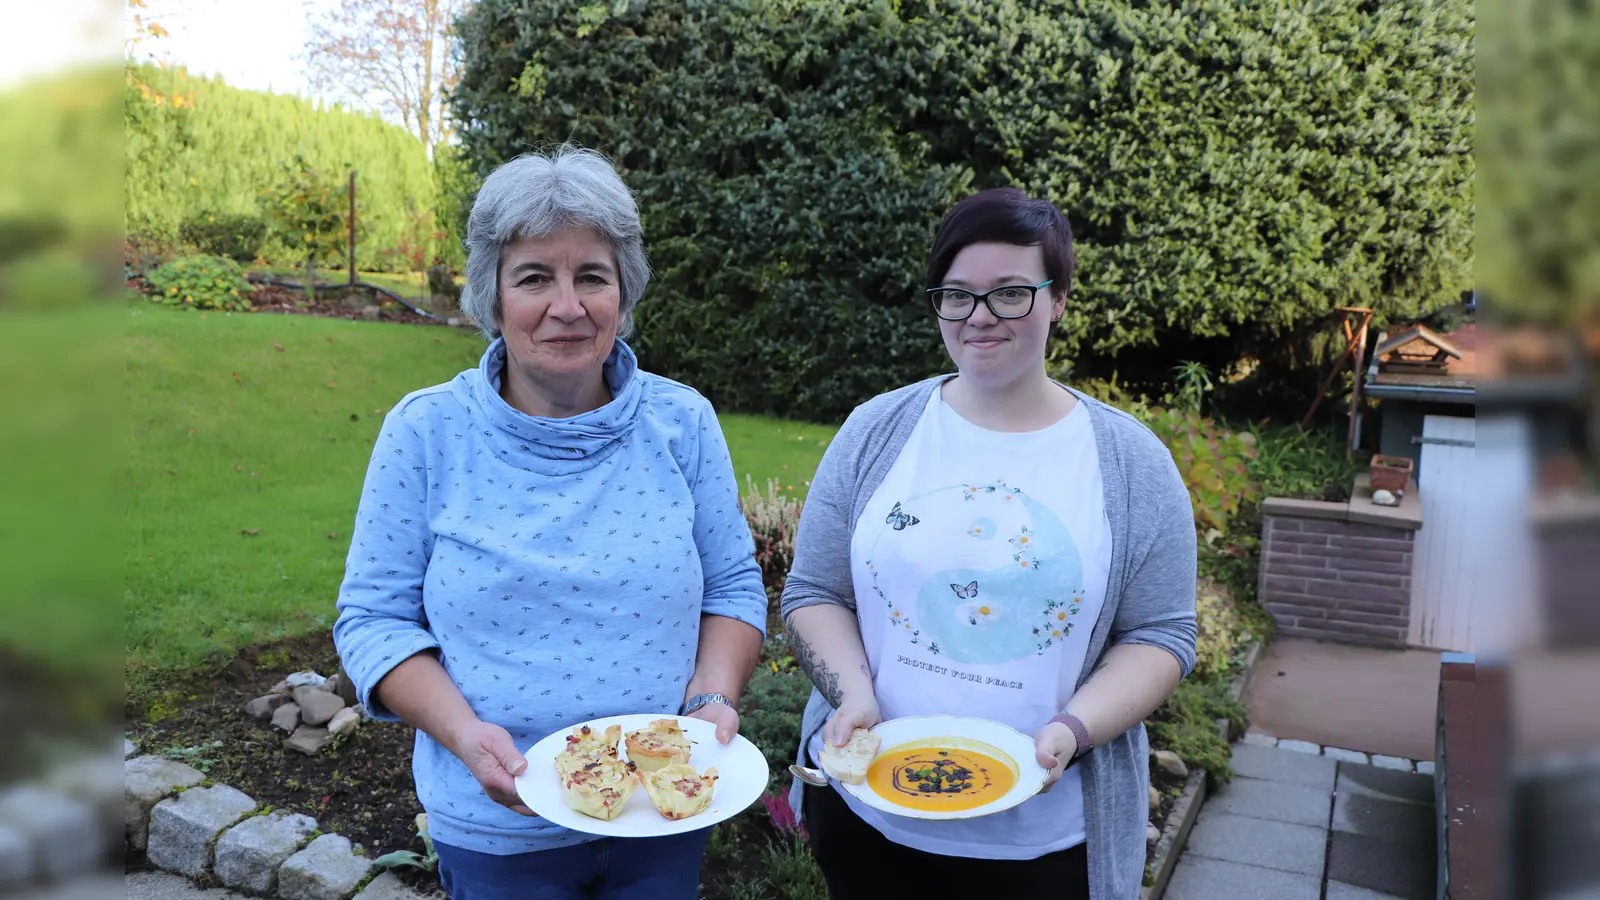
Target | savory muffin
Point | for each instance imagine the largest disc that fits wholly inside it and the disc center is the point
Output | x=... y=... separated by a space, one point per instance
x=661 y=744
x=586 y=745
x=677 y=791
x=600 y=788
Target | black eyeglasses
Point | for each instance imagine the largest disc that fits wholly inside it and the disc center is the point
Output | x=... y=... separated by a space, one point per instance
x=1008 y=301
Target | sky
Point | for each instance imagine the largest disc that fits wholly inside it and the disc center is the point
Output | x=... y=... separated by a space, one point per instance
x=250 y=43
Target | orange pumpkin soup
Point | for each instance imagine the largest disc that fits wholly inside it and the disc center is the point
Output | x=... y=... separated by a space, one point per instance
x=939 y=778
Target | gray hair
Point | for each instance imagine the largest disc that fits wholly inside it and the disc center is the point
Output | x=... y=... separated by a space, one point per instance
x=535 y=195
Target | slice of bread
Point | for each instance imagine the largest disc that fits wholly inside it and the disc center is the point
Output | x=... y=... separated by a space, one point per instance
x=849 y=763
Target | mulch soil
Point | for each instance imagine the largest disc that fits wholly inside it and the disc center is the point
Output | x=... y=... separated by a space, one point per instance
x=271 y=298
x=361 y=789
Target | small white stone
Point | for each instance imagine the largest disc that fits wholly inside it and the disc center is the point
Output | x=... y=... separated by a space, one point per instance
x=1385 y=498
x=1258 y=739
x=1301 y=747
x=318 y=707
x=1171 y=763
x=129 y=748
x=305 y=679
x=1391 y=762
x=1155 y=798
x=1425 y=767
x=345 y=721
x=1349 y=756
x=1152 y=833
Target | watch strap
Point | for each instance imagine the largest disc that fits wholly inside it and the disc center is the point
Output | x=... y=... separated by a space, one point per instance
x=701 y=700
x=1079 y=731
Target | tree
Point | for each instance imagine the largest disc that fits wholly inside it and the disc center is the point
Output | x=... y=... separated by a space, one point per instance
x=392 y=55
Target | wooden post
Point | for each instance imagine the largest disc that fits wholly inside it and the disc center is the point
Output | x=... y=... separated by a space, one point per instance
x=352 y=227
x=1355 y=388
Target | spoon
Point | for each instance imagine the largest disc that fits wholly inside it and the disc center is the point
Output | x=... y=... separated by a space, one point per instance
x=813 y=777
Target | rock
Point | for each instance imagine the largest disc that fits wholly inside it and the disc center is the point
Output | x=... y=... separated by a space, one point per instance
x=1259 y=739
x=1168 y=762
x=129 y=748
x=309 y=739
x=1343 y=755
x=183 y=827
x=345 y=721
x=387 y=886
x=301 y=694
x=282 y=687
x=319 y=706
x=361 y=710
x=346 y=688
x=1398 y=764
x=16 y=859
x=1151 y=832
x=1385 y=498
x=66 y=833
x=249 y=855
x=287 y=718
x=370 y=313
x=305 y=679
x=327 y=869
x=1301 y=747
x=263 y=707
x=145 y=780
x=97 y=781
x=1155 y=798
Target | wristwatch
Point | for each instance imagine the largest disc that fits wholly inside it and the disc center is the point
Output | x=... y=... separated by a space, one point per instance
x=1079 y=731
x=699 y=700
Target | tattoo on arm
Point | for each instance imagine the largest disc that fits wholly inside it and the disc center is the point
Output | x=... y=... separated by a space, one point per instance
x=826 y=680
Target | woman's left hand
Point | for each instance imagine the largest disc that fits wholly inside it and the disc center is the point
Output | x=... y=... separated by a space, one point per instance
x=1055 y=744
x=725 y=717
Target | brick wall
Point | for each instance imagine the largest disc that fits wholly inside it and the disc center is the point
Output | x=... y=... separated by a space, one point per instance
x=1328 y=578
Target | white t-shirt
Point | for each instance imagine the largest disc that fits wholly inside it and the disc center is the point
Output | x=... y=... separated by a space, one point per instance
x=980 y=566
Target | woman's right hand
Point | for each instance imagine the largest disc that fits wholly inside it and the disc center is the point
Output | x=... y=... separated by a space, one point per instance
x=857 y=711
x=492 y=756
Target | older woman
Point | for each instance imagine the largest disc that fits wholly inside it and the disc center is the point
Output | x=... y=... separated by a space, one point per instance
x=1001 y=525
x=550 y=537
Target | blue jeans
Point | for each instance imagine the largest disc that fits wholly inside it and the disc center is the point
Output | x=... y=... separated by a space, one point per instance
x=663 y=868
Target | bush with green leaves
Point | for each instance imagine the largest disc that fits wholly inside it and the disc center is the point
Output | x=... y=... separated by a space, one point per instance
x=237 y=236
x=200 y=282
x=1234 y=172
x=1214 y=463
x=195 y=146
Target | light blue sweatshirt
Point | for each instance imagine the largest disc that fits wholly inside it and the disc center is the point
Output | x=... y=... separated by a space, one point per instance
x=559 y=566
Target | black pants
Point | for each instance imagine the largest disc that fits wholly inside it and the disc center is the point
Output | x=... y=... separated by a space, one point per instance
x=858 y=861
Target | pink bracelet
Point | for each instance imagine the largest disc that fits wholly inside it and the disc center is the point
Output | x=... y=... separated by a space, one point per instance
x=1079 y=731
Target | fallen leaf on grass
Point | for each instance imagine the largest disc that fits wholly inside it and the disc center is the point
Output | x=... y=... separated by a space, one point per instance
x=329 y=384
x=333 y=535
x=249 y=532
x=277 y=346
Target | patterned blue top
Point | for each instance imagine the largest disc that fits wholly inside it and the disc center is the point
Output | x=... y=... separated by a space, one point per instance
x=559 y=566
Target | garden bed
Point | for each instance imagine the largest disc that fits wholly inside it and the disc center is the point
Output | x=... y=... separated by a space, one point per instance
x=330 y=303
x=362 y=790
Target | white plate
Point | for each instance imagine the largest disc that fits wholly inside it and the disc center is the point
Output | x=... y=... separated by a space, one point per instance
x=741 y=779
x=1013 y=748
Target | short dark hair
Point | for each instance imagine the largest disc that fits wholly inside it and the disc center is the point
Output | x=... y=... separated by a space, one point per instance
x=1005 y=216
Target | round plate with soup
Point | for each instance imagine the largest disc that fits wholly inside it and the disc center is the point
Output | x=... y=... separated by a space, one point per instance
x=741 y=777
x=949 y=767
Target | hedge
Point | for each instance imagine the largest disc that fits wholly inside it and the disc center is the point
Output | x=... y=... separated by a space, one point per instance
x=198 y=148
x=1233 y=171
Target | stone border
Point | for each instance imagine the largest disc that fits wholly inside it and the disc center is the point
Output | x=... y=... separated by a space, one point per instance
x=1175 y=833
x=185 y=825
x=1393 y=763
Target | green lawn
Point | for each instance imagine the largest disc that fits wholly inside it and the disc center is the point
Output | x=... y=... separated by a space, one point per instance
x=246 y=461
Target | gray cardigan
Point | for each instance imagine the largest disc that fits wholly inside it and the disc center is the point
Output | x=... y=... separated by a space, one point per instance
x=1149 y=594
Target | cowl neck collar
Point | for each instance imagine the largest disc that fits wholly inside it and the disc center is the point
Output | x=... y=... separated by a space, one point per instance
x=553 y=445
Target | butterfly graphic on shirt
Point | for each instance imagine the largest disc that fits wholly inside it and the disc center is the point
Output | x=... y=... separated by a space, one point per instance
x=900 y=519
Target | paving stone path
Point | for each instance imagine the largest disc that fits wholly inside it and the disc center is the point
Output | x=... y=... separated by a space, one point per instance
x=1297 y=826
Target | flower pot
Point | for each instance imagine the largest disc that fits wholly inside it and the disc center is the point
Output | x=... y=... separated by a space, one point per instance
x=1390 y=473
